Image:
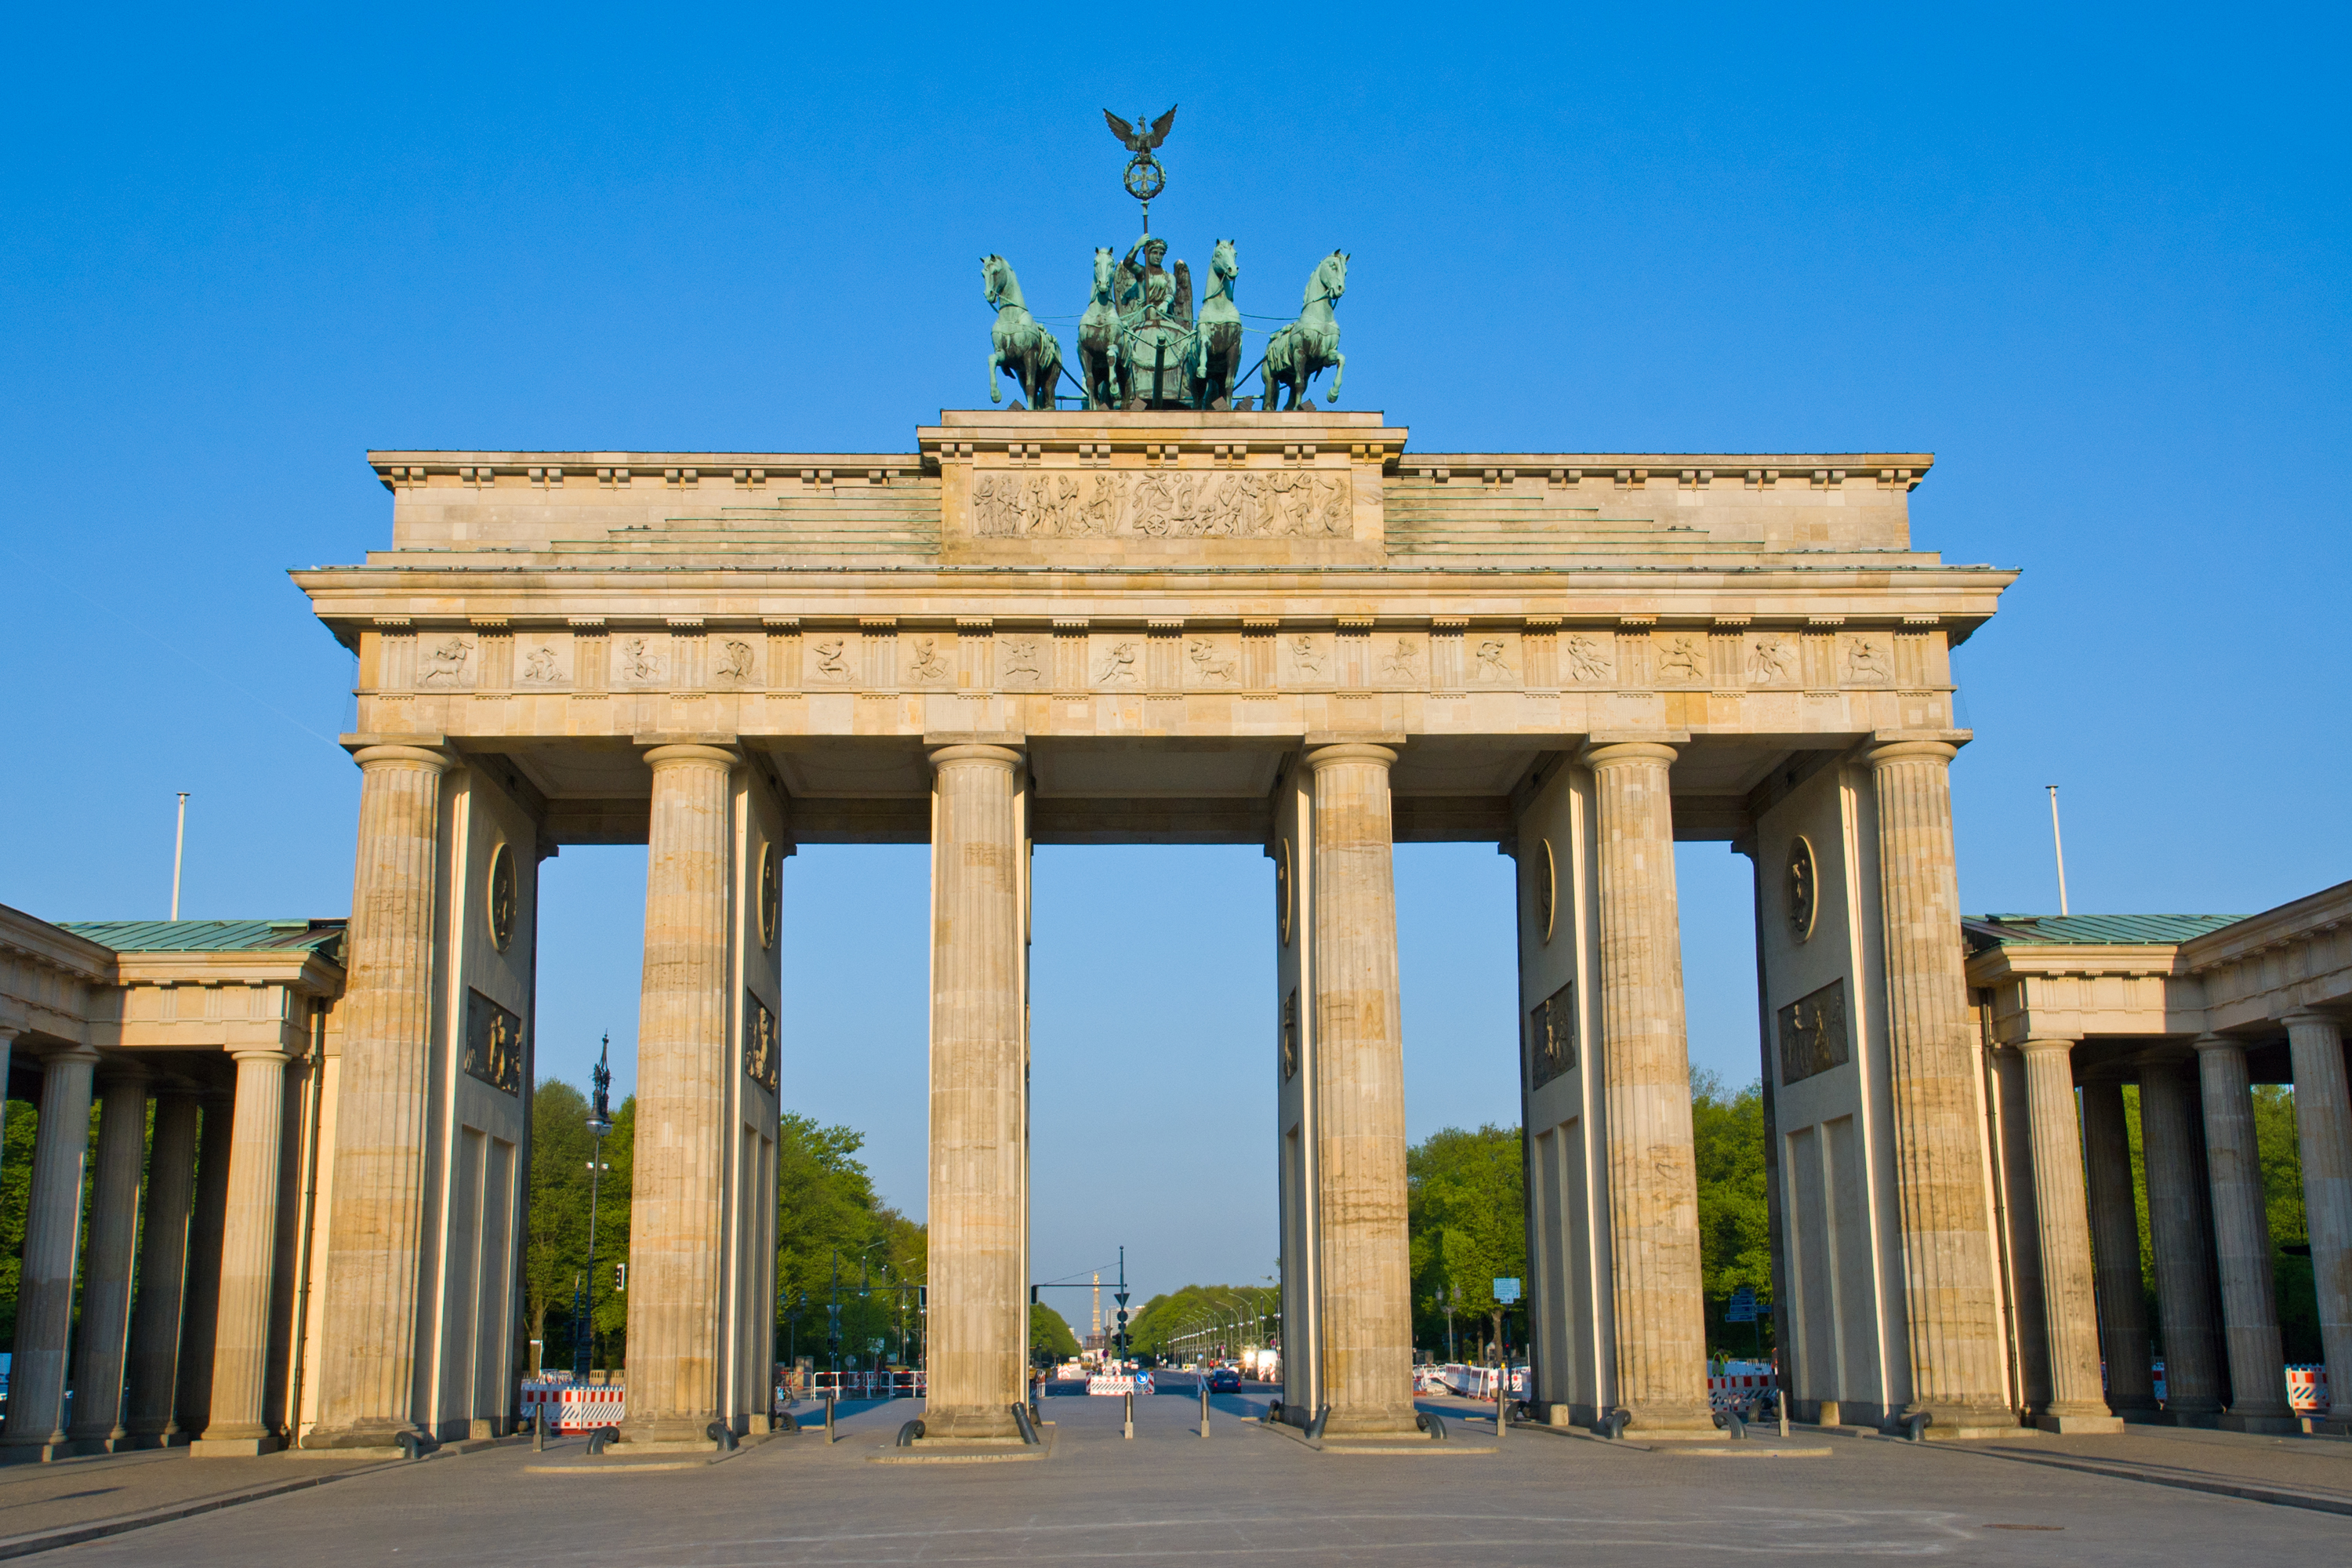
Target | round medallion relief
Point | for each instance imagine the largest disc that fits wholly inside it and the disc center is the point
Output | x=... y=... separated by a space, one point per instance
x=1282 y=888
x=771 y=895
x=502 y=898
x=1803 y=888
x=1546 y=871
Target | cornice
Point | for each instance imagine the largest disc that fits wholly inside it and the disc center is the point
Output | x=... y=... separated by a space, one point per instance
x=2322 y=913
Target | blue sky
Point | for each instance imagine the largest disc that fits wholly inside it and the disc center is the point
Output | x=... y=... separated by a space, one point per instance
x=2093 y=257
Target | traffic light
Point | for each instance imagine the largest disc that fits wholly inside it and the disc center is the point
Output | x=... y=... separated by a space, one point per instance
x=620 y=1277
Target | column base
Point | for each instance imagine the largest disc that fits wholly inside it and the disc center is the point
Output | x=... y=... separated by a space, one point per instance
x=1958 y=1421
x=1374 y=1421
x=2262 y=1424
x=1660 y=1422
x=231 y=1447
x=2070 y=1423
x=372 y=1435
x=969 y=1422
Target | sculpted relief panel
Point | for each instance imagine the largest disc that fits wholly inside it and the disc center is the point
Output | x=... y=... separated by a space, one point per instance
x=1272 y=503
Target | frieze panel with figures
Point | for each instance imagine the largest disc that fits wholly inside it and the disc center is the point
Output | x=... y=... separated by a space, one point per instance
x=1275 y=503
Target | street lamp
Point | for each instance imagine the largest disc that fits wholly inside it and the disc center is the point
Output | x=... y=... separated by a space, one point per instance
x=600 y=1122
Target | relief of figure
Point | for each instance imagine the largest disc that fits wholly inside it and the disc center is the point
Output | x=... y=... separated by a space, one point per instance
x=1119 y=669
x=1403 y=664
x=1337 y=523
x=1021 y=659
x=1585 y=659
x=1681 y=661
x=986 y=509
x=1227 y=501
x=829 y=664
x=1098 y=513
x=1866 y=663
x=1204 y=654
x=1768 y=662
x=1057 y=504
x=1184 y=512
x=735 y=660
x=1021 y=519
x=540 y=669
x=928 y=664
x=1490 y=660
x=1306 y=655
x=1153 y=505
x=447 y=663
x=637 y=661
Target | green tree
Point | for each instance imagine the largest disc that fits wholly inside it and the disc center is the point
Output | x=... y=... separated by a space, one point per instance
x=1232 y=1315
x=16 y=1196
x=827 y=1206
x=1466 y=1213
x=1049 y=1335
x=1734 y=1230
x=555 y=1231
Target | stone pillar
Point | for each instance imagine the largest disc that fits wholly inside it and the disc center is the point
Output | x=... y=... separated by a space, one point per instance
x=37 y=1381
x=162 y=1273
x=1661 y=1312
x=249 y=1264
x=104 y=1337
x=1365 y=1257
x=2115 y=1248
x=674 y=1234
x=2241 y=1243
x=200 y=1302
x=368 y=1349
x=2323 y=1125
x=2063 y=1213
x=978 y=1344
x=1951 y=1296
x=2179 y=1217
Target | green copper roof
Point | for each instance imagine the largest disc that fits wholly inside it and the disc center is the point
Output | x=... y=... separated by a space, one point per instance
x=209 y=936
x=2134 y=931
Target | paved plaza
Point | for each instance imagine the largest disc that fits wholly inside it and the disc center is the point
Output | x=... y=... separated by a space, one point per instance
x=1250 y=1491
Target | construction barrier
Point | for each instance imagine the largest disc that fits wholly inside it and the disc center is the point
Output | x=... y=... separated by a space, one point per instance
x=574 y=1407
x=907 y=1385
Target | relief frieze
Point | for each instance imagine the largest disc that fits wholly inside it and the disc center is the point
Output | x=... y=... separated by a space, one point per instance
x=1275 y=503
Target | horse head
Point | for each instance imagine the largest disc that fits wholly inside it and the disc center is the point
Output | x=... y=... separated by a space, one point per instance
x=1223 y=264
x=1105 y=273
x=1330 y=277
x=992 y=274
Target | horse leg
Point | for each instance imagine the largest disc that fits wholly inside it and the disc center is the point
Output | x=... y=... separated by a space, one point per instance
x=1339 y=374
x=995 y=358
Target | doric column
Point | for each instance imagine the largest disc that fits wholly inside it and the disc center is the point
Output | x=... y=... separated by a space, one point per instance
x=1661 y=1313
x=2323 y=1124
x=247 y=1263
x=2063 y=1213
x=191 y=1401
x=367 y=1361
x=674 y=1237
x=1365 y=1261
x=2179 y=1217
x=980 y=1157
x=1951 y=1296
x=2241 y=1243
x=36 y=1380
x=104 y=1337
x=2115 y=1247
x=162 y=1271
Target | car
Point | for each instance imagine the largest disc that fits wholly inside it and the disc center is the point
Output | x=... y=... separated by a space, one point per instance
x=1224 y=1380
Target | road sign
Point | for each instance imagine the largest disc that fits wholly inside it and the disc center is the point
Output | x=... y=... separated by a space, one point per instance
x=1507 y=1292
x=1742 y=1307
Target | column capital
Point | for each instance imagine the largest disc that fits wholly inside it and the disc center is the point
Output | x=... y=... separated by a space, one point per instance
x=67 y=1056
x=679 y=753
x=1599 y=753
x=2205 y=1043
x=974 y=752
x=119 y=1069
x=260 y=1053
x=1321 y=757
x=2308 y=1016
x=2045 y=1045
x=1887 y=750
x=393 y=756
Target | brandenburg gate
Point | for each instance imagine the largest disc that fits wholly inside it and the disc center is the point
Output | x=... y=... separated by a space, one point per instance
x=1289 y=629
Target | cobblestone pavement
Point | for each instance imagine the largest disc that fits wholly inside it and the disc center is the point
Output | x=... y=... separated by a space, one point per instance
x=1168 y=1497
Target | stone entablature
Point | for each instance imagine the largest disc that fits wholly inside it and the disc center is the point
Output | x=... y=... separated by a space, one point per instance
x=2241 y=978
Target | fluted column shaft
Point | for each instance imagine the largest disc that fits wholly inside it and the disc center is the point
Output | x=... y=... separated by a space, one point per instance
x=104 y=1340
x=368 y=1350
x=162 y=1271
x=675 y=1235
x=2242 y=1242
x=979 y=1341
x=2115 y=1248
x=1661 y=1312
x=1365 y=1265
x=2179 y=1217
x=2323 y=1125
x=248 y=1258
x=36 y=1380
x=2063 y=1212
x=1952 y=1295
x=192 y=1401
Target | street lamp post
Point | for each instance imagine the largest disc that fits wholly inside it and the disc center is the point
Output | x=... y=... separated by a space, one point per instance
x=600 y=1122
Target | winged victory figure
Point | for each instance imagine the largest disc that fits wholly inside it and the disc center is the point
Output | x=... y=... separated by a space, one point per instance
x=1140 y=143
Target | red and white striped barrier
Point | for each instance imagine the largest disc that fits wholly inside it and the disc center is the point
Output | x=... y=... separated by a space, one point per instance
x=575 y=1408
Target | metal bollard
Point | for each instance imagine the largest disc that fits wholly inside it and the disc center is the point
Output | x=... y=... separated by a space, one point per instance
x=539 y=1427
x=1784 y=1412
x=1130 y=1415
x=828 y=1414
x=1204 y=1407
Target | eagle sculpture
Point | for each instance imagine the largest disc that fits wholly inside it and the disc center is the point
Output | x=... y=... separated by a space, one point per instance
x=1141 y=142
